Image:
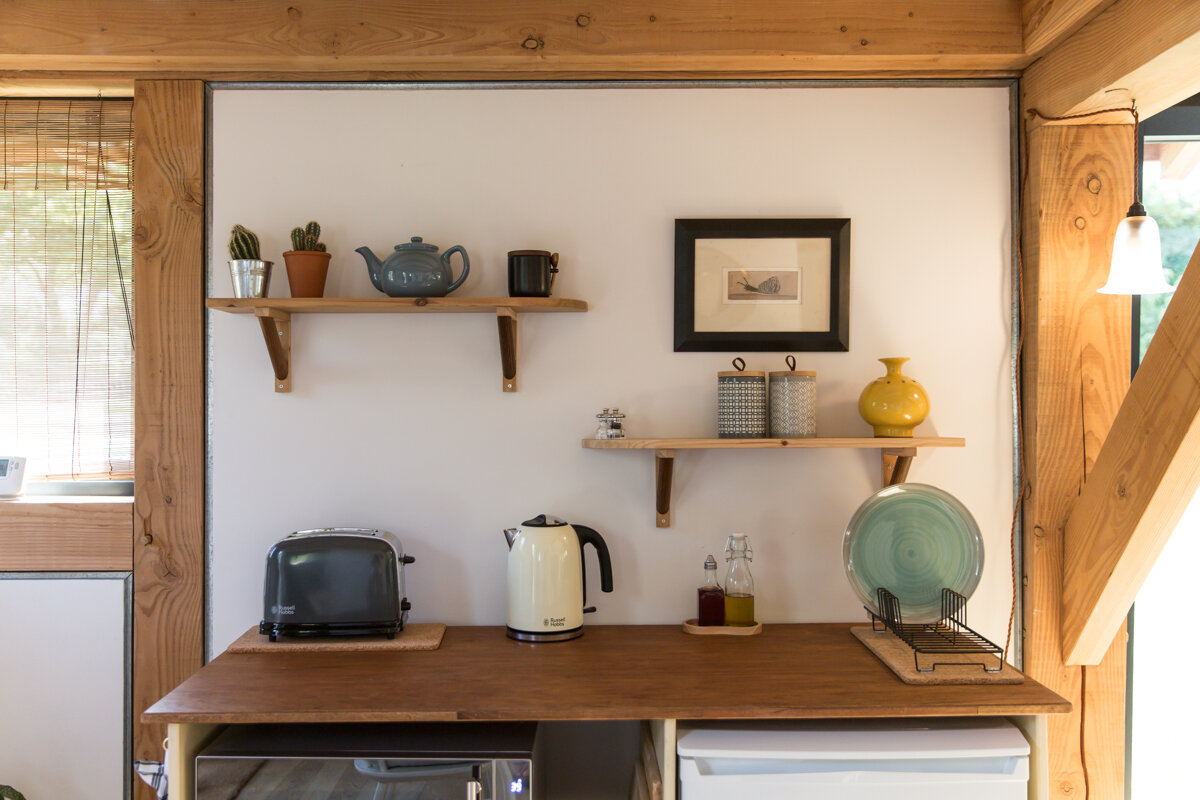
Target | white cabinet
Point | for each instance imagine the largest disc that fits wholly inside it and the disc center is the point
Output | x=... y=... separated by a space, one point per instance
x=62 y=685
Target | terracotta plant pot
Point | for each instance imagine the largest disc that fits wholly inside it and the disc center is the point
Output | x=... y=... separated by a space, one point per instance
x=306 y=271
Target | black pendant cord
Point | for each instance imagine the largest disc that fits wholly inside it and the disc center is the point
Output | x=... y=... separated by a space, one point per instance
x=1137 y=168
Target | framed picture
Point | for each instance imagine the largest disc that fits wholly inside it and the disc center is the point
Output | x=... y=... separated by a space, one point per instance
x=762 y=284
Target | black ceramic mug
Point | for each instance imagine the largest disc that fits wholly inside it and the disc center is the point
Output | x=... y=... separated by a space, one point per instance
x=531 y=273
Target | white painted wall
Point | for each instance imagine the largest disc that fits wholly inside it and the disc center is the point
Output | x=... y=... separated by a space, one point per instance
x=62 y=687
x=1162 y=760
x=398 y=421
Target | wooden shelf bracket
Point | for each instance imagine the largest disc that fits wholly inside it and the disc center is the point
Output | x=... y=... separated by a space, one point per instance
x=895 y=463
x=277 y=333
x=506 y=321
x=664 y=468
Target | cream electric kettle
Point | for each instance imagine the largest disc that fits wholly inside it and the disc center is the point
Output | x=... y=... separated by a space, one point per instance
x=546 y=591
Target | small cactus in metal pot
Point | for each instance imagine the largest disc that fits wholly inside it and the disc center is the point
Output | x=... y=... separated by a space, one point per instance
x=308 y=238
x=243 y=244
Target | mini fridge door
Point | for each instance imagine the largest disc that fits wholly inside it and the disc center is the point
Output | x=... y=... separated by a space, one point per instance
x=980 y=759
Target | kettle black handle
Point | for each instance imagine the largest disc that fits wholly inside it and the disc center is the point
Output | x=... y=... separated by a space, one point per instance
x=589 y=536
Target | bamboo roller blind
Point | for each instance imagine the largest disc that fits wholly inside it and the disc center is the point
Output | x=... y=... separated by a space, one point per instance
x=66 y=345
x=66 y=144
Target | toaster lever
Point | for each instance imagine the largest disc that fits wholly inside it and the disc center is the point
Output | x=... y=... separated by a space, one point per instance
x=407 y=559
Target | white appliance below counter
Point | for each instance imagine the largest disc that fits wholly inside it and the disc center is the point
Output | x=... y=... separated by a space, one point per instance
x=929 y=759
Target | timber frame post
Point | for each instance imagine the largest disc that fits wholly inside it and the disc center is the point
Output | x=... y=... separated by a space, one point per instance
x=168 y=268
x=1075 y=371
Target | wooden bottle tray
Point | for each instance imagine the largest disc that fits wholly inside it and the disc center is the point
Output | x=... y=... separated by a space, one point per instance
x=693 y=626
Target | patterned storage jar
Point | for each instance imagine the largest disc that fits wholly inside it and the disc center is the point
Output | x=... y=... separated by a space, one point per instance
x=793 y=403
x=741 y=403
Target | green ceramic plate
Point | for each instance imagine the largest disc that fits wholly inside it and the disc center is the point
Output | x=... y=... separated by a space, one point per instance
x=912 y=539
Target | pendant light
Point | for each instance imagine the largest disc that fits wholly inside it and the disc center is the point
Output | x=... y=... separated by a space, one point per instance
x=1137 y=250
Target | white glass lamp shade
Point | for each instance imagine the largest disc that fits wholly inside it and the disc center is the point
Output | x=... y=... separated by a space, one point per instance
x=1137 y=258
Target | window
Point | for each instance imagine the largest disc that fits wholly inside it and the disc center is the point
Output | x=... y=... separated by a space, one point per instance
x=66 y=304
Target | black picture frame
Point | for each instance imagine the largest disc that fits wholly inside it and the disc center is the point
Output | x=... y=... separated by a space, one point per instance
x=835 y=338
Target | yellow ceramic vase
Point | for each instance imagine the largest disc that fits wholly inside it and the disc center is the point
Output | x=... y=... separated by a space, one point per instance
x=893 y=404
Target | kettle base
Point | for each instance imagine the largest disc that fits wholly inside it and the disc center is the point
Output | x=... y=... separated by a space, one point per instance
x=544 y=636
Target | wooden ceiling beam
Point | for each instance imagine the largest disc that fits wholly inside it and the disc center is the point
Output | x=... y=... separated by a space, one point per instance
x=338 y=38
x=1148 y=50
x=1045 y=23
x=1145 y=476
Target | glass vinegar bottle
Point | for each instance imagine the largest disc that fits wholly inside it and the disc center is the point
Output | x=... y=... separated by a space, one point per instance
x=710 y=597
x=739 y=583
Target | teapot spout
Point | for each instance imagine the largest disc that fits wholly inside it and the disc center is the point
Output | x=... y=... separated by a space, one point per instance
x=373 y=265
x=510 y=535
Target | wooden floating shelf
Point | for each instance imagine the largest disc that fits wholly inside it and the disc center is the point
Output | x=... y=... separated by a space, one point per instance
x=896 y=455
x=275 y=319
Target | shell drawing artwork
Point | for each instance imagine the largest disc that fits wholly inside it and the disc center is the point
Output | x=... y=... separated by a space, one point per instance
x=769 y=286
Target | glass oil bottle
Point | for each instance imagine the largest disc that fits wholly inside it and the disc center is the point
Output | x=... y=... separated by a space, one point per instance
x=739 y=583
x=710 y=597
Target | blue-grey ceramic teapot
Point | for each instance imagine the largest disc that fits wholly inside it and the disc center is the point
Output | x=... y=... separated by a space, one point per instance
x=415 y=269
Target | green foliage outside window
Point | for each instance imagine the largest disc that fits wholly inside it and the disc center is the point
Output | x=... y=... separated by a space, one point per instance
x=1176 y=208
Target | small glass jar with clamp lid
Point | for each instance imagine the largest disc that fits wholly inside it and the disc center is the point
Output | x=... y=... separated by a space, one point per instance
x=739 y=583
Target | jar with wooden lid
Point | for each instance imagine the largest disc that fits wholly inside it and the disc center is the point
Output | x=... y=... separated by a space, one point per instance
x=793 y=402
x=741 y=403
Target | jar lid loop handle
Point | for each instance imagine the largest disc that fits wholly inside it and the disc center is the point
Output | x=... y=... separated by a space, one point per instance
x=739 y=364
x=791 y=362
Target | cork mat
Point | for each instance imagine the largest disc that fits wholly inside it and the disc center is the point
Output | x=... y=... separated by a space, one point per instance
x=418 y=636
x=898 y=656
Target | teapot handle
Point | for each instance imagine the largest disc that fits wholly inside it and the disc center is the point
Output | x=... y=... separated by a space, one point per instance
x=465 y=269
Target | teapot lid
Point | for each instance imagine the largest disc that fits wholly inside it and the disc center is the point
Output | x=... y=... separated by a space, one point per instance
x=417 y=244
x=543 y=521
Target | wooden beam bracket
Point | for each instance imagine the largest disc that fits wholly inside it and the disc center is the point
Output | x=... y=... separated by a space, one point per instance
x=506 y=321
x=1146 y=474
x=277 y=333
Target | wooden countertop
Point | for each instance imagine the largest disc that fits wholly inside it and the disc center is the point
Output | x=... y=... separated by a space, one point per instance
x=612 y=672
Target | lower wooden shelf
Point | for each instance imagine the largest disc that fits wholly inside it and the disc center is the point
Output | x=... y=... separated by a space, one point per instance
x=896 y=455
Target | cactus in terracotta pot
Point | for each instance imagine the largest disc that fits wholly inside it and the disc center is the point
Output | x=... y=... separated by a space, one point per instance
x=308 y=238
x=307 y=262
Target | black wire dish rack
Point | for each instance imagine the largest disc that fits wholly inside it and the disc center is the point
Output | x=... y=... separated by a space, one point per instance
x=950 y=635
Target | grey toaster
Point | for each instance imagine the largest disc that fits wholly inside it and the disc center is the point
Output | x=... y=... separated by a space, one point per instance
x=335 y=582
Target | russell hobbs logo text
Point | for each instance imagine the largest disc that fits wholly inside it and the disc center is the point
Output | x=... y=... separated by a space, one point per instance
x=283 y=610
